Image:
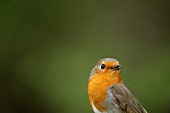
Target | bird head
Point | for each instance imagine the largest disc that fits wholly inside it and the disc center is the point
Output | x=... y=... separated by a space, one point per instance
x=106 y=65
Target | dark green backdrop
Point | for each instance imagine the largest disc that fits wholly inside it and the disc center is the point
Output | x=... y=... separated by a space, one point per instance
x=47 y=49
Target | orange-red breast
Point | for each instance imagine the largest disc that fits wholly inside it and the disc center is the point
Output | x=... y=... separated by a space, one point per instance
x=107 y=92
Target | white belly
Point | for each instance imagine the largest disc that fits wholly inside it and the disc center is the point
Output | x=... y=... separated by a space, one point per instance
x=113 y=110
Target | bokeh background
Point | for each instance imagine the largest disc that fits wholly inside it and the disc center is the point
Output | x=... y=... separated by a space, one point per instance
x=47 y=49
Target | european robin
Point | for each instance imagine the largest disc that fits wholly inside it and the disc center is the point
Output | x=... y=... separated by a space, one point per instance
x=108 y=93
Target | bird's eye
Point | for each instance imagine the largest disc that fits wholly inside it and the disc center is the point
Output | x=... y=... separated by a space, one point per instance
x=102 y=66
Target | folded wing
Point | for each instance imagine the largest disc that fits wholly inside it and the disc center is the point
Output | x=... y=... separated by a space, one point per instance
x=121 y=96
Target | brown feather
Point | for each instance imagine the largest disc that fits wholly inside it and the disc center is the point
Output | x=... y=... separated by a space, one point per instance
x=124 y=99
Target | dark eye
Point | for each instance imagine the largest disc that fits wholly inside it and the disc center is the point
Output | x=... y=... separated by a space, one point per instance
x=102 y=66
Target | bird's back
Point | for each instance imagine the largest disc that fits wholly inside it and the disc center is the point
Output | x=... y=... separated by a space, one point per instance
x=119 y=96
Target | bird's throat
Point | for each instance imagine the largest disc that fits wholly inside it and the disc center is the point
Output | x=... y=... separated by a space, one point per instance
x=112 y=76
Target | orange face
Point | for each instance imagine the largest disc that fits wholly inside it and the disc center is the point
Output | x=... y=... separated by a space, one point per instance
x=104 y=74
x=107 y=68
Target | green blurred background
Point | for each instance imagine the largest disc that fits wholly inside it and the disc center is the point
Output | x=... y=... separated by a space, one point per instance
x=47 y=49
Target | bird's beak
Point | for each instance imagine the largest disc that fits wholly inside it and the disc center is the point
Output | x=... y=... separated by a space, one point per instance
x=116 y=67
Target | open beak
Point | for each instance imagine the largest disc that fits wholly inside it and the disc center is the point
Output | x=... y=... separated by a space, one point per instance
x=116 y=67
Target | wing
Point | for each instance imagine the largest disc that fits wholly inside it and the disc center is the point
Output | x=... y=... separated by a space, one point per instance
x=122 y=97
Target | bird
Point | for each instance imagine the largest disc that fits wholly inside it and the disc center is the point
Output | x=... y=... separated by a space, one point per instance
x=108 y=93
